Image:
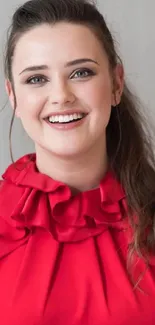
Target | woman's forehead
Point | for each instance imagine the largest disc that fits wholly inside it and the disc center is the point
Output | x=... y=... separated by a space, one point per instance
x=58 y=43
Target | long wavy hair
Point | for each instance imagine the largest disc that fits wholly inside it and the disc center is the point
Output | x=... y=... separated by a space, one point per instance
x=129 y=144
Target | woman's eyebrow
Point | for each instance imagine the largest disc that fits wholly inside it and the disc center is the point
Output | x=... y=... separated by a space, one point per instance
x=68 y=64
x=83 y=60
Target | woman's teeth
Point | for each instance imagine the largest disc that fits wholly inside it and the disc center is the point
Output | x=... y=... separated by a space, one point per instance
x=65 y=118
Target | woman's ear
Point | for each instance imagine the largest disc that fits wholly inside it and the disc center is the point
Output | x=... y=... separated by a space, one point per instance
x=9 y=90
x=11 y=95
x=118 y=84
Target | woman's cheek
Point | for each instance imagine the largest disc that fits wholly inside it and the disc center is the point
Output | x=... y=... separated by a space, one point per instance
x=32 y=102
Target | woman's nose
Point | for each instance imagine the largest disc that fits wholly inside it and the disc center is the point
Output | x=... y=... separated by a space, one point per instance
x=61 y=93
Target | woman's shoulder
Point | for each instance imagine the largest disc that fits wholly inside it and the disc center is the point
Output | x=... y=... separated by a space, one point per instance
x=1 y=186
x=11 y=195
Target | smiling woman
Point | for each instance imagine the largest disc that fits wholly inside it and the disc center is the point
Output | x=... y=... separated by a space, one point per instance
x=53 y=85
x=77 y=237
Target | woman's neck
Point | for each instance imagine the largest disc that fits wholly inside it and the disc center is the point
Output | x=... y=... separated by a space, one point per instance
x=80 y=174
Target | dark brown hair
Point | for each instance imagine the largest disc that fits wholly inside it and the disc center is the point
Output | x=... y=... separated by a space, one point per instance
x=128 y=141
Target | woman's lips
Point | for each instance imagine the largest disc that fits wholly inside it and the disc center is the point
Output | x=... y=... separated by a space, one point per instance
x=66 y=126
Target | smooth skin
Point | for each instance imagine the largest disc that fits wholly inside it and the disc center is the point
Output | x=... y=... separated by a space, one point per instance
x=47 y=81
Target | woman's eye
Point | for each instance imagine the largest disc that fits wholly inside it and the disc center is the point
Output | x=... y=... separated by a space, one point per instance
x=36 y=80
x=84 y=73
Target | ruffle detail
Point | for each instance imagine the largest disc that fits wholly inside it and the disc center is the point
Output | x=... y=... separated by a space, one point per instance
x=29 y=199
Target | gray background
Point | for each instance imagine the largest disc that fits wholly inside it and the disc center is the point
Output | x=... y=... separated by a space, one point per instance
x=133 y=26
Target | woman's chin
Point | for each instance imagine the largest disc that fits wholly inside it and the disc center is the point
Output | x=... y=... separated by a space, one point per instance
x=66 y=154
x=63 y=149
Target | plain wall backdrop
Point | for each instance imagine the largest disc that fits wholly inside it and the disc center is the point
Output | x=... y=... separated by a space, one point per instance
x=132 y=24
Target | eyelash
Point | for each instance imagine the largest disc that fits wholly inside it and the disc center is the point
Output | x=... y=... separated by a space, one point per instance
x=84 y=70
x=89 y=72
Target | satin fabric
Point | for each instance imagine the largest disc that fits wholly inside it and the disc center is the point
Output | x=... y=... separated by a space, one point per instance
x=63 y=258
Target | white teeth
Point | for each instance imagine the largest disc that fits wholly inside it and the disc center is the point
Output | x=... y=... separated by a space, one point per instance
x=61 y=119
x=65 y=118
x=71 y=117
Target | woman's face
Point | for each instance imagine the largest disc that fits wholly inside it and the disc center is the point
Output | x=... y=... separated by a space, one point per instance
x=61 y=73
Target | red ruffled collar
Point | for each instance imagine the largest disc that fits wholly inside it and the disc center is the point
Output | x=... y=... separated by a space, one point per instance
x=30 y=199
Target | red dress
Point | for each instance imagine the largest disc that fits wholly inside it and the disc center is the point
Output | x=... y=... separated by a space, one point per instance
x=63 y=257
